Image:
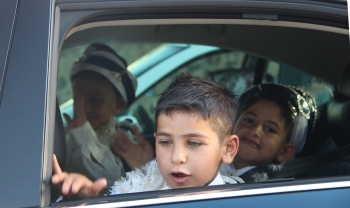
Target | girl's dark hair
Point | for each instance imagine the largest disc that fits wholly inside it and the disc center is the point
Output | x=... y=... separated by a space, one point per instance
x=202 y=96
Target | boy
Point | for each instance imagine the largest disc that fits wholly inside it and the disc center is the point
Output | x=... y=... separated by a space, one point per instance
x=193 y=138
x=102 y=87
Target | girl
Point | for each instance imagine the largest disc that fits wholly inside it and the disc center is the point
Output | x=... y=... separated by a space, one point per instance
x=272 y=127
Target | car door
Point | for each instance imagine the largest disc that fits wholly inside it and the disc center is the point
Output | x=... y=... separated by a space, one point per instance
x=25 y=52
x=256 y=33
x=39 y=28
x=7 y=15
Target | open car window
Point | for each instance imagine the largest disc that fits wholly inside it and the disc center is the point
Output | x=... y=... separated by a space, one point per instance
x=157 y=52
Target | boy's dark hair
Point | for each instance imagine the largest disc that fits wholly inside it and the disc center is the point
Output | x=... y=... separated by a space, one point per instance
x=202 y=96
x=279 y=98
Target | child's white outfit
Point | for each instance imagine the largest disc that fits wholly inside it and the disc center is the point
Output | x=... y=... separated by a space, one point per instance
x=251 y=173
x=89 y=153
x=148 y=178
x=230 y=168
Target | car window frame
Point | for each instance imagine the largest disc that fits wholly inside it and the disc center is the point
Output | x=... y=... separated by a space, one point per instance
x=79 y=19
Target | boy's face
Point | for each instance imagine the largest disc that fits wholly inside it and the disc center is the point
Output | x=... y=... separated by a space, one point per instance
x=189 y=152
x=261 y=131
x=100 y=100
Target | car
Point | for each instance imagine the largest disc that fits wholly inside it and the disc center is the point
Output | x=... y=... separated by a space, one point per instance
x=232 y=42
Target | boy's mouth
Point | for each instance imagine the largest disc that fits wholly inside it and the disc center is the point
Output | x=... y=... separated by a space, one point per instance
x=179 y=177
x=250 y=142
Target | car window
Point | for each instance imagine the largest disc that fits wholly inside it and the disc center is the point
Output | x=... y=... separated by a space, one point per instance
x=279 y=73
x=224 y=67
x=229 y=66
x=232 y=69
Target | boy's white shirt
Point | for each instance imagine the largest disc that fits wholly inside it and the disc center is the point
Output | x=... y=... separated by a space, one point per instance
x=82 y=142
x=149 y=178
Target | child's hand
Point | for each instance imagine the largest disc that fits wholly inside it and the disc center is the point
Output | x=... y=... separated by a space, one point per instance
x=75 y=185
x=135 y=155
x=79 y=117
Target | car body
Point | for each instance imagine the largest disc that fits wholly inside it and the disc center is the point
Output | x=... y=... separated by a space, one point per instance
x=309 y=36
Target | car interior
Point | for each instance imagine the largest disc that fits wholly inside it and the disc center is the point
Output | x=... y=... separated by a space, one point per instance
x=248 y=53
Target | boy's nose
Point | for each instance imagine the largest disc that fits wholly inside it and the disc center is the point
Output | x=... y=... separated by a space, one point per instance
x=178 y=155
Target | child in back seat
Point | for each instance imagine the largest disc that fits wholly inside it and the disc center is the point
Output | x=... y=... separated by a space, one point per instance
x=102 y=87
x=272 y=127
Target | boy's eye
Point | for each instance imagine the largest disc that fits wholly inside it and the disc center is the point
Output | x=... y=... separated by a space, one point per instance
x=194 y=144
x=165 y=143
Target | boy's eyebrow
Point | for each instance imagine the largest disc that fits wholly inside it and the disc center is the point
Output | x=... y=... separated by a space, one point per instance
x=195 y=135
x=186 y=135
x=161 y=133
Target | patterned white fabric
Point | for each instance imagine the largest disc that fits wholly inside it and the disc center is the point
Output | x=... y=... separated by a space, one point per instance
x=148 y=178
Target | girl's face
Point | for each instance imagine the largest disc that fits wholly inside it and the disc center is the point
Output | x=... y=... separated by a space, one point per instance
x=262 y=134
x=101 y=103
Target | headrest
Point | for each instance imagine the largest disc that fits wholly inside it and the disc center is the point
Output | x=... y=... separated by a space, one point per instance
x=339 y=122
x=323 y=93
x=344 y=83
x=59 y=139
x=339 y=111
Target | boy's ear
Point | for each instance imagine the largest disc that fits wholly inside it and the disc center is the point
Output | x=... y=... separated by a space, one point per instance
x=230 y=148
x=287 y=153
x=120 y=105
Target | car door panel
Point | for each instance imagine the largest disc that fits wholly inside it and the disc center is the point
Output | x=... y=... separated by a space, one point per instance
x=22 y=111
x=7 y=16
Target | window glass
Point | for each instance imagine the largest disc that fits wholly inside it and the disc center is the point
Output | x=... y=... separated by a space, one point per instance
x=278 y=73
x=224 y=67
x=129 y=51
x=271 y=72
x=232 y=69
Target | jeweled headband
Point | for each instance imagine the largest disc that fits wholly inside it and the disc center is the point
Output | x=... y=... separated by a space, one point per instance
x=302 y=104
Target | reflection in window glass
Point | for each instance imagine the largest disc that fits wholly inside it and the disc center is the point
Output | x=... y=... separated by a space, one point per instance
x=271 y=73
x=129 y=51
x=224 y=68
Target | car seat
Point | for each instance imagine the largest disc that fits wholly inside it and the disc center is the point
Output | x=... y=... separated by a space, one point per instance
x=318 y=136
x=339 y=111
x=336 y=150
x=59 y=148
x=59 y=138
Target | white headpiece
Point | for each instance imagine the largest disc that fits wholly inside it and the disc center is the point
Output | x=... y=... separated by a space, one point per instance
x=102 y=59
